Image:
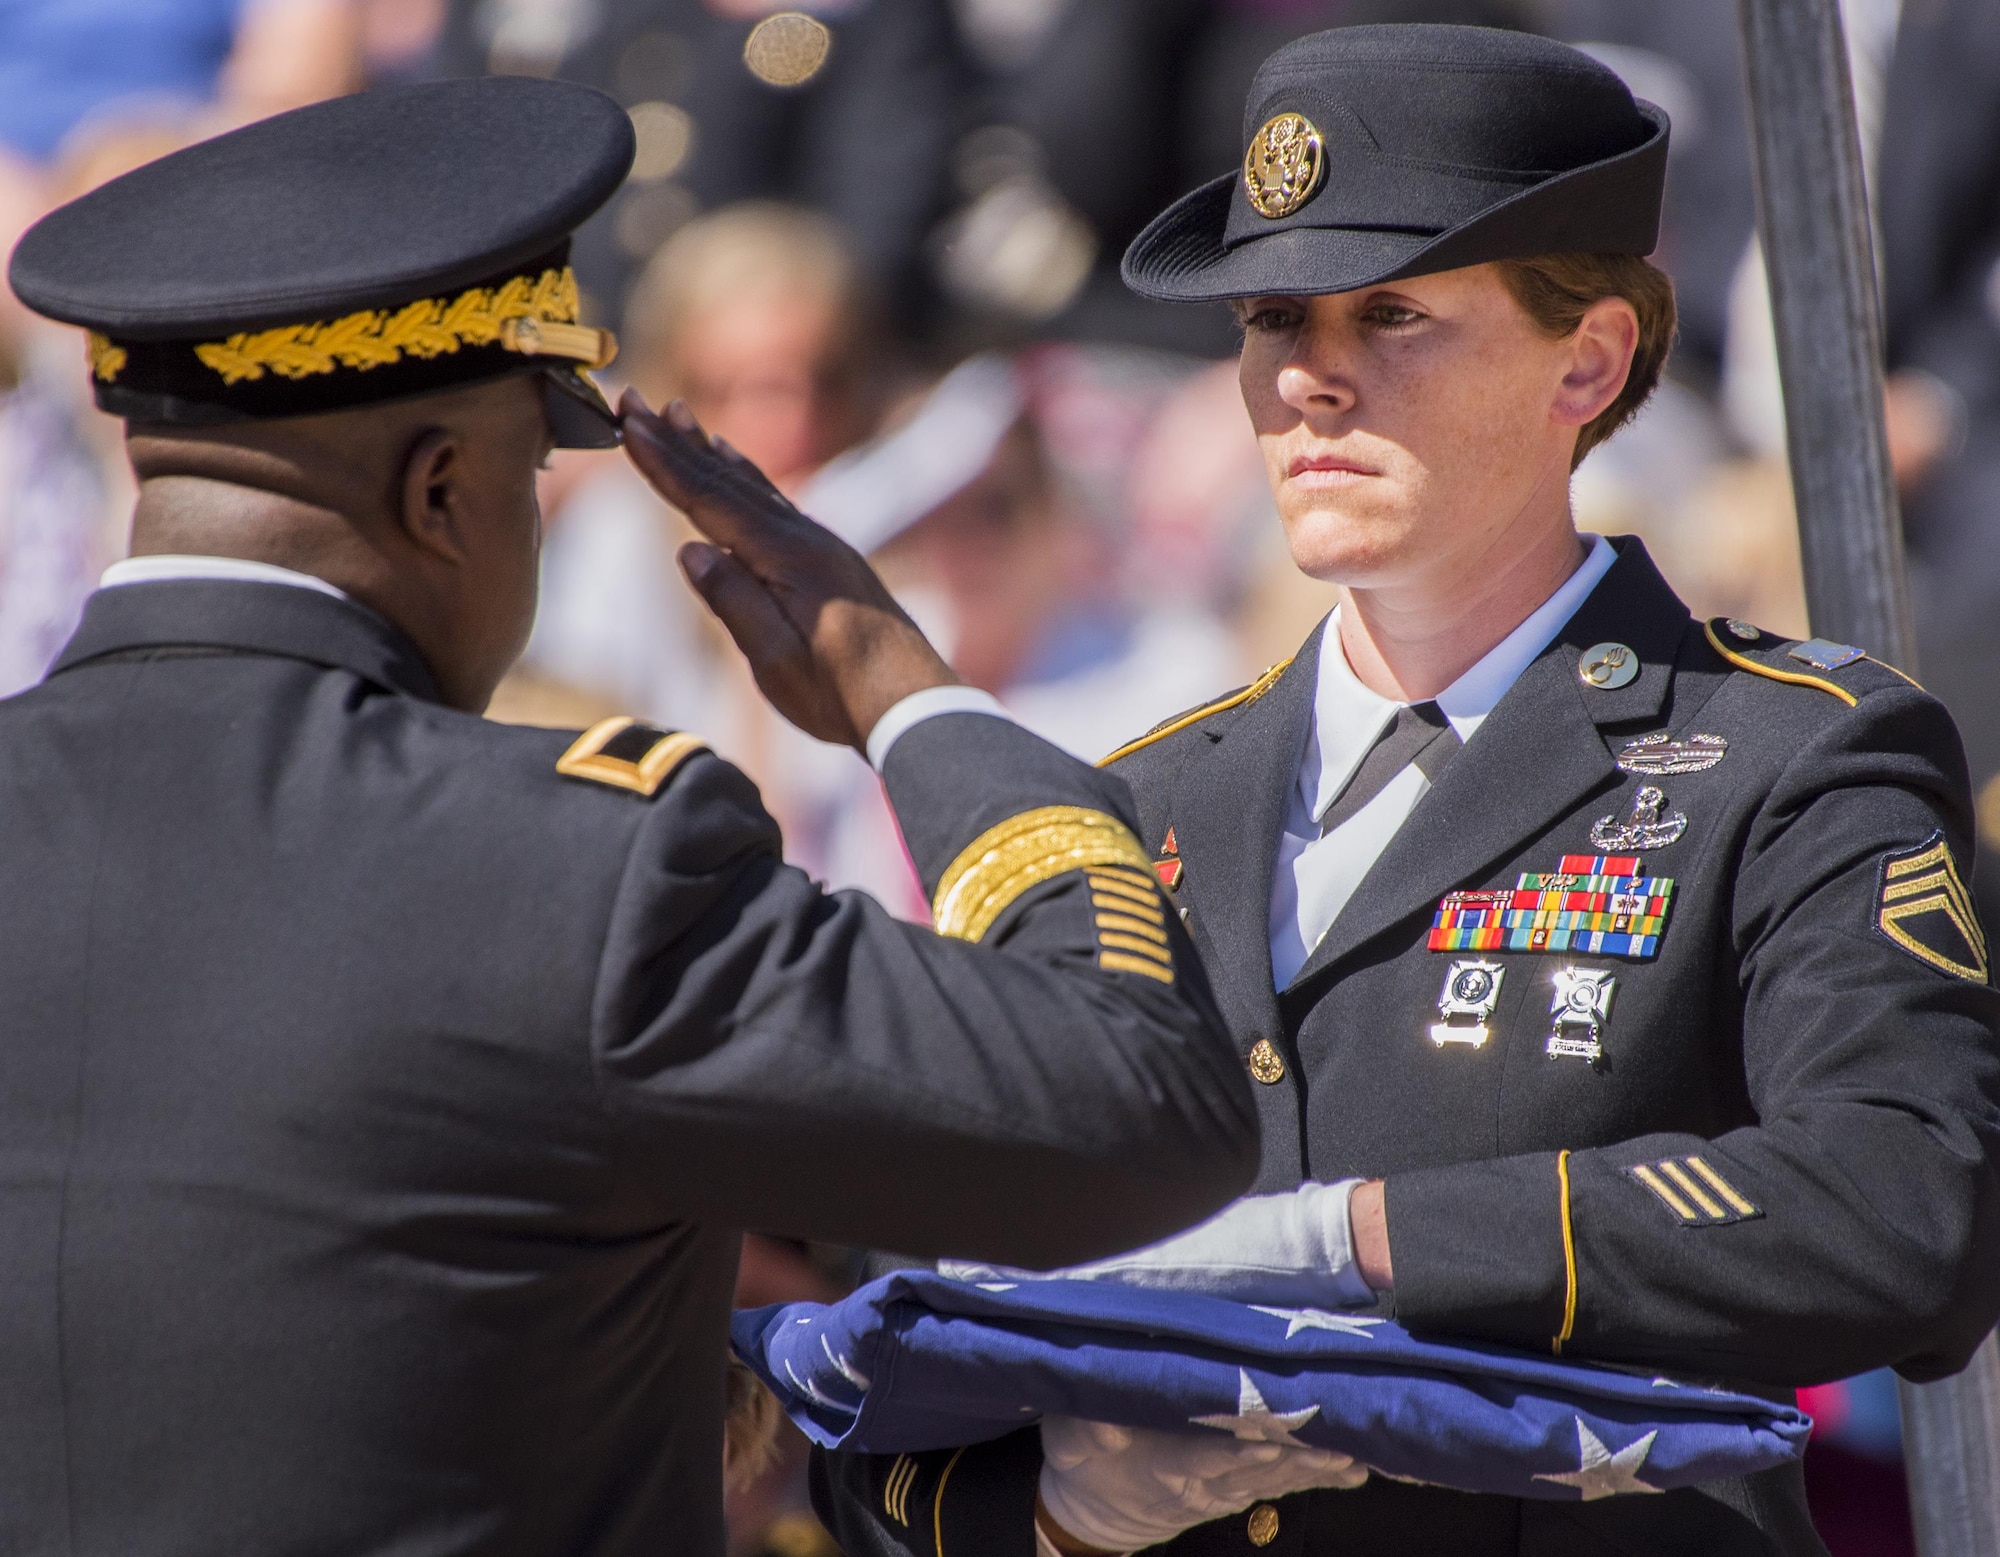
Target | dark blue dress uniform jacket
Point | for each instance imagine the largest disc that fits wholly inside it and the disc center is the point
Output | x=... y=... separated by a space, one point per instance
x=377 y=1103
x=1817 y=1029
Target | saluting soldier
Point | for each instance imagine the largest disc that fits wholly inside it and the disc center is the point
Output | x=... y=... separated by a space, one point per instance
x=1608 y=977
x=381 y=1087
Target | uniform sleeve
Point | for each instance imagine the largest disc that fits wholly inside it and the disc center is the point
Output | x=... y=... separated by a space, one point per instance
x=1049 y=1084
x=977 y=1501
x=1851 y=1228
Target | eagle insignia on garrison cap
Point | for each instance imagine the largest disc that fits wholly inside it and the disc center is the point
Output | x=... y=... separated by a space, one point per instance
x=1284 y=165
x=627 y=754
x=1924 y=908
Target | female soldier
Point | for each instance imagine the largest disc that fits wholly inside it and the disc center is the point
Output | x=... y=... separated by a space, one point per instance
x=1608 y=977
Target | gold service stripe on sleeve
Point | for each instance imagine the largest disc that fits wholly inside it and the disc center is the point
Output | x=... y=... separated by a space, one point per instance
x=1118 y=962
x=1022 y=852
x=1722 y=1186
x=1127 y=905
x=1129 y=926
x=1659 y=1186
x=1684 y=1181
x=1132 y=943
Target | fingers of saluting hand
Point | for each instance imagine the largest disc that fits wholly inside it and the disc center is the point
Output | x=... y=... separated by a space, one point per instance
x=725 y=496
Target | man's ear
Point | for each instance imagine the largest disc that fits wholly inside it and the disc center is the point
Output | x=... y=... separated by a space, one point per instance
x=432 y=500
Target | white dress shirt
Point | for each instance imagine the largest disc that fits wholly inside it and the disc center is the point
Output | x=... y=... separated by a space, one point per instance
x=1315 y=876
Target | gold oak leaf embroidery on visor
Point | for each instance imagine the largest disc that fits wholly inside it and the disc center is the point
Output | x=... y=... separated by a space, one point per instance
x=1924 y=909
x=1050 y=841
x=107 y=360
x=532 y=317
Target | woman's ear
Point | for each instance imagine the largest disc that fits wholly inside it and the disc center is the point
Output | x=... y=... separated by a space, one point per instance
x=1600 y=360
x=433 y=508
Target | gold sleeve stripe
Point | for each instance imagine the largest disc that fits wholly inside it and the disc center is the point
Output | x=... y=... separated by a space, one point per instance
x=1132 y=943
x=1127 y=905
x=1174 y=726
x=1710 y=1207
x=1125 y=886
x=1658 y=1186
x=1130 y=926
x=937 y=1505
x=896 y=1490
x=1118 y=962
x=1722 y=1187
x=1022 y=852
x=643 y=773
x=1757 y=668
x=1693 y=1191
x=1569 y=1257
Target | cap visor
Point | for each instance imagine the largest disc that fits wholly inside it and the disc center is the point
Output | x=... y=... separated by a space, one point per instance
x=579 y=416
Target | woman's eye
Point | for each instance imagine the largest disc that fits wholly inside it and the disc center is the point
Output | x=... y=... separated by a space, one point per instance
x=1270 y=319
x=1392 y=315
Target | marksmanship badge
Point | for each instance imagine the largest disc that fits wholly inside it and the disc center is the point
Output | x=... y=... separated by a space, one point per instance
x=1471 y=991
x=1581 y=1007
x=1284 y=165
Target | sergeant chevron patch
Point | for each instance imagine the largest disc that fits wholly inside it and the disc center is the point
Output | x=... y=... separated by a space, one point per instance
x=1694 y=1191
x=626 y=754
x=1925 y=909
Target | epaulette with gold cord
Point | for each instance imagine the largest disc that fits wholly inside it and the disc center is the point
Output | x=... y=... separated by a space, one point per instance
x=1732 y=638
x=628 y=754
x=1049 y=841
x=1193 y=716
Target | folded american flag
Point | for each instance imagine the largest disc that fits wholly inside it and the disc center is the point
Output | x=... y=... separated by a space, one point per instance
x=915 y=1361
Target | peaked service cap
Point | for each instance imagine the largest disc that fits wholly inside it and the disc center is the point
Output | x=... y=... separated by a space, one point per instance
x=389 y=244
x=1380 y=152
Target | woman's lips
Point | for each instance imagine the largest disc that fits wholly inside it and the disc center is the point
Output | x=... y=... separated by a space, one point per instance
x=1325 y=470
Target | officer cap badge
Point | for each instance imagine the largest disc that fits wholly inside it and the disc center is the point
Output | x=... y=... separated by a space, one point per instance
x=1284 y=165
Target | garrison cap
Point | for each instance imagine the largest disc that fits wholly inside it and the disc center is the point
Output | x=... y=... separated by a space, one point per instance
x=1375 y=153
x=390 y=244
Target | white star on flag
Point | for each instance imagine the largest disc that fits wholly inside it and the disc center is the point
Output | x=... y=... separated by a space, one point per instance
x=1319 y=1319
x=1603 y=1474
x=1256 y=1422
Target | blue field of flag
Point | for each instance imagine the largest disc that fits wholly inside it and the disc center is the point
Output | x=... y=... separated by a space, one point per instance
x=914 y=1361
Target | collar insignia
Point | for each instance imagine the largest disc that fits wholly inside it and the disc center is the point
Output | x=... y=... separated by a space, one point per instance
x=1168 y=867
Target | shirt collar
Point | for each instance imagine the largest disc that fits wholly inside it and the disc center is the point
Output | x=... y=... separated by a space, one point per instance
x=1348 y=718
x=170 y=565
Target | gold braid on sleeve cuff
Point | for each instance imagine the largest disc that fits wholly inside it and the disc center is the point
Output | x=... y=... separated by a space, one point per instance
x=1022 y=852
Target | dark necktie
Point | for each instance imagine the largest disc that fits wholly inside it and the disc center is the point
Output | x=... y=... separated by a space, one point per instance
x=1419 y=733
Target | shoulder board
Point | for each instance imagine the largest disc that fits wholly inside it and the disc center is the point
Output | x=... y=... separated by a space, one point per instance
x=627 y=754
x=1194 y=716
x=1801 y=664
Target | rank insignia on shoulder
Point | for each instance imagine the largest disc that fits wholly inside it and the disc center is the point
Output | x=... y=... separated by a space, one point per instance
x=1824 y=654
x=1693 y=1191
x=1597 y=904
x=627 y=754
x=1924 y=908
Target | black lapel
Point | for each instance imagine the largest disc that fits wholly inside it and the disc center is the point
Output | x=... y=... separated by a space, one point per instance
x=252 y=618
x=1227 y=806
x=1536 y=756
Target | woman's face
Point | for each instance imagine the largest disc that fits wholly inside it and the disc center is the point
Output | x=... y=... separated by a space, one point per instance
x=1411 y=426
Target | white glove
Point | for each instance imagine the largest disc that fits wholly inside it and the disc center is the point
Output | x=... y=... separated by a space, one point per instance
x=1295 y=1249
x=1122 y=1488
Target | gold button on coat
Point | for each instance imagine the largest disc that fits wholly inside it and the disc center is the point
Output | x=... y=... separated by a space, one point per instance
x=1263 y=1528
x=1266 y=1064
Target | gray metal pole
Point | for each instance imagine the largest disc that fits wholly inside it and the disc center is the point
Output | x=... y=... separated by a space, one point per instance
x=1818 y=246
x=1819 y=254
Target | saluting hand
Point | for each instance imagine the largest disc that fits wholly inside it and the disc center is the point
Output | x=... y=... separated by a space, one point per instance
x=827 y=643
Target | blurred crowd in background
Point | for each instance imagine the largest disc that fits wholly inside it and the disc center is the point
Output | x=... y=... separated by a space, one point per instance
x=875 y=243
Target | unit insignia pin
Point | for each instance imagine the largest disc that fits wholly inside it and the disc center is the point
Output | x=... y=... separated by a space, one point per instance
x=1823 y=654
x=1168 y=867
x=1471 y=991
x=1643 y=829
x=1607 y=666
x=1657 y=755
x=1581 y=1007
x=1739 y=628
